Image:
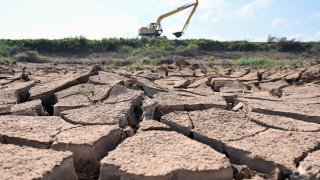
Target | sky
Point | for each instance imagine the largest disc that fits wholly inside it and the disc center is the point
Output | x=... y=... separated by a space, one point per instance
x=223 y=20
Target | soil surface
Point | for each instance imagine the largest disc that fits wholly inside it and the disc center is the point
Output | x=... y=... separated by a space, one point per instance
x=186 y=120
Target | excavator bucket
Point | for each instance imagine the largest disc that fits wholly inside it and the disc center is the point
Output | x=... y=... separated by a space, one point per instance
x=178 y=34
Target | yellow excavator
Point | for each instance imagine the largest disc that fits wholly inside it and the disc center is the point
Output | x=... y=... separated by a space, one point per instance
x=155 y=29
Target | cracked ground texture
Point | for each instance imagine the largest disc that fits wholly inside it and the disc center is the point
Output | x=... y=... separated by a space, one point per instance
x=184 y=122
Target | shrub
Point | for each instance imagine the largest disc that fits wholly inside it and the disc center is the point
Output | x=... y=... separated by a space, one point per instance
x=169 y=47
x=285 y=45
x=29 y=56
x=5 y=51
x=192 y=46
x=125 y=49
x=242 y=46
x=207 y=45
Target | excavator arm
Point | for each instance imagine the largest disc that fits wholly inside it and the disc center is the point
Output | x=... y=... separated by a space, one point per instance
x=179 y=34
x=156 y=29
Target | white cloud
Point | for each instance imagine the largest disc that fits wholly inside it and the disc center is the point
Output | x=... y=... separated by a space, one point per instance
x=172 y=3
x=315 y=37
x=318 y=35
x=278 y=21
x=250 y=9
x=87 y=18
x=259 y=39
x=212 y=10
x=218 y=38
x=93 y=29
x=306 y=38
x=297 y=37
x=316 y=15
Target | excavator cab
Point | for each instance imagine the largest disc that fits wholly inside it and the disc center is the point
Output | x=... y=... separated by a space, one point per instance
x=152 y=26
x=151 y=30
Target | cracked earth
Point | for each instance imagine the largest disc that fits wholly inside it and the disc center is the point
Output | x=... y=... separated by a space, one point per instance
x=168 y=122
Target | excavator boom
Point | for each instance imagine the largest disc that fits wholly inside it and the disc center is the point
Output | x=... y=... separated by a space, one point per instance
x=179 y=34
x=155 y=29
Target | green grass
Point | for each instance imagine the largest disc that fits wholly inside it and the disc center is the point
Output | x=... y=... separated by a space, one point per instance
x=262 y=61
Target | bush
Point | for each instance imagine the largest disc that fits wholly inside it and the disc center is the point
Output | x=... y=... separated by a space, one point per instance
x=169 y=47
x=242 y=46
x=126 y=49
x=285 y=45
x=5 y=51
x=192 y=46
x=207 y=45
x=314 y=47
x=29 y=56
x=262 y=61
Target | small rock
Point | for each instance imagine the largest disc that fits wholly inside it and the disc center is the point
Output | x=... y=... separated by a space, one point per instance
x=276 y=92
x=231 y=100
x=152 y=125
x=238 y=106
x=95 y=70
x=148 y=109
x=199 y=82
x=30 y=108
x=181 y=62
x=4 y=109
x=129 y=131
x=182 y=84
x=24 y=76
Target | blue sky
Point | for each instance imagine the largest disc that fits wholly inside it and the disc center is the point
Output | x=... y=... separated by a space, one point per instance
x=251 y=20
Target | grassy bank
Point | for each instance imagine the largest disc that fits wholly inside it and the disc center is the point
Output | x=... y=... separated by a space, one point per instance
x=135 y=46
